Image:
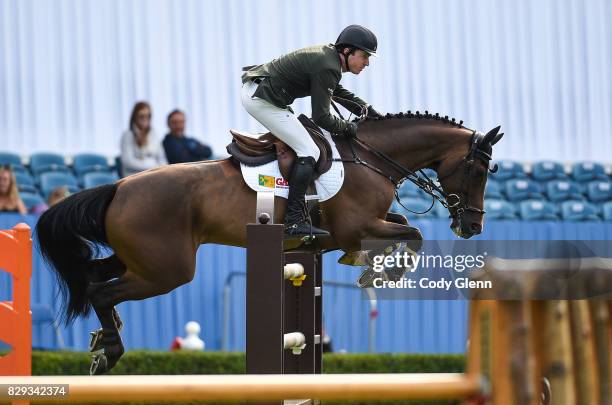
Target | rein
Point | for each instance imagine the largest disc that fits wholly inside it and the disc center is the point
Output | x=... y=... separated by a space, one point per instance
x=424 y=183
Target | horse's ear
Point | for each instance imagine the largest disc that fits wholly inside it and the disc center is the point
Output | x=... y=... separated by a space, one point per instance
x=497 y=138
x=490 y=136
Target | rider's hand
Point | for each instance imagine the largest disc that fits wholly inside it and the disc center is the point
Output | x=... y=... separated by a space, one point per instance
x=351 y=130
x=372 y=113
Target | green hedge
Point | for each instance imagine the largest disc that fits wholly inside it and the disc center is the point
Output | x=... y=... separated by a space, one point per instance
x=184 y=362
x=141 y=362
x=150 y=362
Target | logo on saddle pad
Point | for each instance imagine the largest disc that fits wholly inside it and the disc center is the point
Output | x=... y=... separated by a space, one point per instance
x=272 y=182
x=281 y=182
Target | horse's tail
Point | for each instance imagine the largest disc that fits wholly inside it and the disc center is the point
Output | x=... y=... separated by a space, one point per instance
x=69 y=235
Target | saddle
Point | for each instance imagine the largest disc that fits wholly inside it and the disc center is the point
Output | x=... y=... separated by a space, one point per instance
x=255 y=151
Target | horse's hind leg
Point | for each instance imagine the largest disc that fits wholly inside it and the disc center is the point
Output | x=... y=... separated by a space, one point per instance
x=104 y=270
x=105 y=342
x=104 y=296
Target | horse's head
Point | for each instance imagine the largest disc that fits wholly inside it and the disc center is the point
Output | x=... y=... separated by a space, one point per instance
x=463 y=179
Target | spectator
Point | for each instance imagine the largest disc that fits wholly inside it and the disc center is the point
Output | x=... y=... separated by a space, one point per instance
x=180 y=148
x=140 y=146
x=57 y=195
x=39 y=208
x=9 y=195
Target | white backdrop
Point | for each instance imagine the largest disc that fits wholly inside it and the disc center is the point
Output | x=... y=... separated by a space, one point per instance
x=71 y=70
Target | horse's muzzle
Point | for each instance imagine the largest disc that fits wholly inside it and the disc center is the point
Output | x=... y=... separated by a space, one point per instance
x=475 y=228
x=464 y=231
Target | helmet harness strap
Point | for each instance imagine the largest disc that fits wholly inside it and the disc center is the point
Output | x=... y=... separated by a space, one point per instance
x=345 y=56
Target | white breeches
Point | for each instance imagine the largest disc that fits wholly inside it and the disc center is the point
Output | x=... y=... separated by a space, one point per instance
x=282 y=123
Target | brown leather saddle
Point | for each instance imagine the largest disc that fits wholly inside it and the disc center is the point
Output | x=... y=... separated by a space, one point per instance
x=252 y=151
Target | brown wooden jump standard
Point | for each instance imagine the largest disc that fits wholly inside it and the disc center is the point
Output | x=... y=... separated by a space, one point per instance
x=278 y=305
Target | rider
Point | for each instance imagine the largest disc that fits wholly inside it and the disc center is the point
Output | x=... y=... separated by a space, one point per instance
x=315 y=71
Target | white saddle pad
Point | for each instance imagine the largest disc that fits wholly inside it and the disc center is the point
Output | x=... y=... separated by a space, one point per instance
x=268 y=177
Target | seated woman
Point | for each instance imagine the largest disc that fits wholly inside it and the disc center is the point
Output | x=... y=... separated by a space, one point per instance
x=140 y=146
x=9 y=195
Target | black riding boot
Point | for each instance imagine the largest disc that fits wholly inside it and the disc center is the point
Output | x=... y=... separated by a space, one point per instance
x=297 y=220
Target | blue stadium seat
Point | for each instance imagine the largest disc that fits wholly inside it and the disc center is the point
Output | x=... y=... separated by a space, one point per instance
x=119 y=166
x=509 y=170
x=599 y=190
x=89 y=162
x=19 y=169
x=431 y=174
x=606 y=211
x=31 y=199
x=587 y=171
x=94 y=179
x=493 y=190
x=8 y=158
x=47 y=162
x=563 y=190
x=417 y=205
x=522 y=189
x=410 y=190
x=534 y=210
x=25 y=182
x=13 y=160
x=441 y=211
x=395 y=207
x=51 y=180
x=544 y=171
x=499 y=209
x=579 y=211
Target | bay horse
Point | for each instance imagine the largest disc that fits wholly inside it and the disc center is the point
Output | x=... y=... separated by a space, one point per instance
x=155 y=221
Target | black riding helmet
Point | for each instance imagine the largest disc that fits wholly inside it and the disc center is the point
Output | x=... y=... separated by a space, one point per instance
x=359 y=37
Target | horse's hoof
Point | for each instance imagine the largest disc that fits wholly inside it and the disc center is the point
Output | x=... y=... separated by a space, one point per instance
x=305 y=240
x=95 y=341
x=99 y=364
x=354 y=258
x=367 y=277
x=117 y=319
x=395 y=274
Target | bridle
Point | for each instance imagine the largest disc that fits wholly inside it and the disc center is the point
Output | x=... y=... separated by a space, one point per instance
x=453 y=202
x=461 y=206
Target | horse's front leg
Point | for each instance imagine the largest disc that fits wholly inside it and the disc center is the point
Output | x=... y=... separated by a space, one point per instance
x=358 y=258
x=385 y=230
x=401 y=237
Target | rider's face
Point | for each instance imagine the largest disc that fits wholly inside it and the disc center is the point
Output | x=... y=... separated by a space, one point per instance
x=357 y=61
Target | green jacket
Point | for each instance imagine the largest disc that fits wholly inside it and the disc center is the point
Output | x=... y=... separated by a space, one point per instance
x=314 y=71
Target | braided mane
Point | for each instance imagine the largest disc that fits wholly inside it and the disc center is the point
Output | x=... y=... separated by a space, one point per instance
x=418 y=115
